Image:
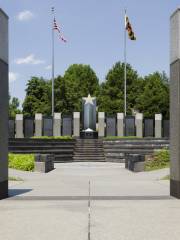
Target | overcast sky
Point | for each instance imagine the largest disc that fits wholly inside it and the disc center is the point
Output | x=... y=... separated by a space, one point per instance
x=95 y=33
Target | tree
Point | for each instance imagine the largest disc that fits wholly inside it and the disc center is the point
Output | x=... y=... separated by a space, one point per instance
x=14 y=107
x=111 y=99
x=79 y=81
x=60 y=93
x=38 y=97
x=155 y=96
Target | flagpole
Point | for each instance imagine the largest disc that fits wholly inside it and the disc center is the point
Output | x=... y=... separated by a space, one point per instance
x=125 y=68
x=52 y=64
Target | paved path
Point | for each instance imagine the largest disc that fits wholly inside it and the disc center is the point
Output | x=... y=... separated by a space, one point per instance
x=124 y=205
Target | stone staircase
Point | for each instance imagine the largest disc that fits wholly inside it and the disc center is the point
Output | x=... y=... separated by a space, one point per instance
x=89 y=150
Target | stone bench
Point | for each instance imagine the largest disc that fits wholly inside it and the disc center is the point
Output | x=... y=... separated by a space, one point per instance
x=135 y=162
x=44 y=163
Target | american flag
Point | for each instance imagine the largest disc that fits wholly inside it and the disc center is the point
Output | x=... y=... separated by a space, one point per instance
x=57 y=28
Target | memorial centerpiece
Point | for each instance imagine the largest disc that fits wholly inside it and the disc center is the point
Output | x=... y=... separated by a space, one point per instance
x=89 y=118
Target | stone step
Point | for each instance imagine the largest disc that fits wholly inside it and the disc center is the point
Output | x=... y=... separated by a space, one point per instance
x=137 y=142
x=109 y=148
x=88 y=157
x=11 y=148
x=43 y=151
x=132 y=151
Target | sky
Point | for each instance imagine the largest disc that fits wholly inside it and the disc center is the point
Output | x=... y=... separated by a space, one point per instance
x=95 y=34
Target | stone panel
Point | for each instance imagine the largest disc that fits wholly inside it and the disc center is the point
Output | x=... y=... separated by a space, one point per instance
x=130 y=129
x=28 y=127
x=3 y=105
x=67 y=126
x=148 y=127
x=166 y=128
x=48 y=126
x=11 y=128
x=110 y=126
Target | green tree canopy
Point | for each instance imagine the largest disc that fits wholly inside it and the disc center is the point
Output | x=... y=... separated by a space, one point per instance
x=38 y=97
x=79 y=81
x=14 y=107
x=155 y=96
x=111 y=99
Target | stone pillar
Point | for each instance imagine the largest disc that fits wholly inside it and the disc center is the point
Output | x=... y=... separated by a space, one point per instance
x=158 y=125
x=19 y=126
x=57 y=125
x=175 y=104
x=38 y=125
x=101 y=124
x=120 y=124
x=3 y=105
x=76 y=124
x=139 y=125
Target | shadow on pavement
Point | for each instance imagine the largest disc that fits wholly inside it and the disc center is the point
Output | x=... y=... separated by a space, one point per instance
x=17 y=192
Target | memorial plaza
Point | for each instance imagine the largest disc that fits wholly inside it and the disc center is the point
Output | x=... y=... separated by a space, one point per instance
x=86 y=154
x=124 y=205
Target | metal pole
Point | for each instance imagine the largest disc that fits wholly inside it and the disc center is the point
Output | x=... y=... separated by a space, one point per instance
x=125 y=69
x=53 y=63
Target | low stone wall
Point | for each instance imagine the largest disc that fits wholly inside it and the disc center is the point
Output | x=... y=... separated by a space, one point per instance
x=62 y=150
x=44 y=163
x=117 y=125
x=116 y=150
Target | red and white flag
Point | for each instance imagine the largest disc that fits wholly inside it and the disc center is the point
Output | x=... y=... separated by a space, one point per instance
x=58 y=29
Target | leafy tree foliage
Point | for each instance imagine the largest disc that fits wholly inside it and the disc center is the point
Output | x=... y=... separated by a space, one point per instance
x=38 y=97
x=148 y=95
x=111 y=99
x=80 y=80
x=155 y=95
x=14 y=107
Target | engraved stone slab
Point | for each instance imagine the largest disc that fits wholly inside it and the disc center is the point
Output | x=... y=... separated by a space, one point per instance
x=130 y=126
x=3 y=36
x=110 y=126
x=166 y=128
x=48 y=126
x=148 y=127
x=67 y=126
x=175 y=36
x=28 y=127
x=11 y=128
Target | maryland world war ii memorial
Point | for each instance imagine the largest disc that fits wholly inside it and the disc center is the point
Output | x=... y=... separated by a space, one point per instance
x=89 y=174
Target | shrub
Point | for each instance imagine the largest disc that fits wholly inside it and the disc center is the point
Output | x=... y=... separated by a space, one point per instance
x=24 y=162
x=160 y=160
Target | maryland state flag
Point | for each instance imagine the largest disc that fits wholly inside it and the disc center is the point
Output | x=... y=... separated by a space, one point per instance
x=129 y=29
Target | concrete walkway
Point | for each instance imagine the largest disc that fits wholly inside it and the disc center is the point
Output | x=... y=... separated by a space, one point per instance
x=124 y=205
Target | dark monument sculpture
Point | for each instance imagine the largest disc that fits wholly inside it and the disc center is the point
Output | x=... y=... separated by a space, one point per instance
x=175 y=104
x=89 y=118
x=3 y=105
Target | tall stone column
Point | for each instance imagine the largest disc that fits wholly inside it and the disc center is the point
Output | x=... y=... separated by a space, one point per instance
x=139 y=125
x=120 y=124
x=38 y=125
x=57 y=125
x=3 y=105
x=19 y=126
x=101 y=124
x=76 y=124
x=158 y=125
x=175 y=104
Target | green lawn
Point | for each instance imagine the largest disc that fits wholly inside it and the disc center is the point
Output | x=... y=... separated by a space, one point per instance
x=24 y=162
x=161 y=160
